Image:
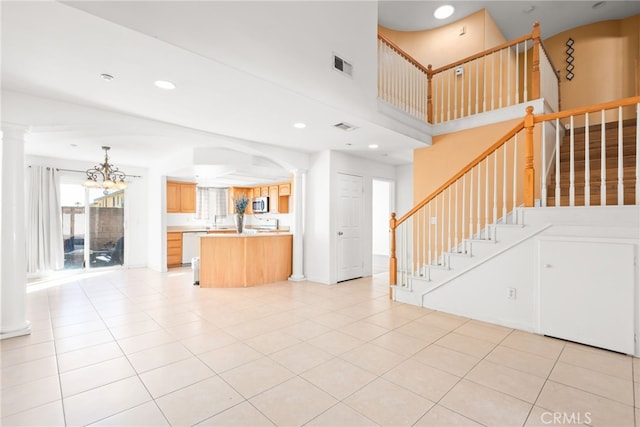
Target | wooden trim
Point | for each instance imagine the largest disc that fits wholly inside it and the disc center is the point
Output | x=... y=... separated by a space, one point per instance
x=402 y=53
x=591 y=109
x=529 y=172
x=463 y=171
x=535 y=63
x=393 y=267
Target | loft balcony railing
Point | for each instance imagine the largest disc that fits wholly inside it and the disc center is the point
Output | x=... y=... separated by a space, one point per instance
x=586 y=156
x=506 y=75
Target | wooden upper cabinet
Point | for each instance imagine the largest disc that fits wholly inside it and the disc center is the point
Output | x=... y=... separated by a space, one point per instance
x=264 y=191
x=273 y=199
x=256 y=192
x=181 y=197
x=237 y=192
x=284 y=189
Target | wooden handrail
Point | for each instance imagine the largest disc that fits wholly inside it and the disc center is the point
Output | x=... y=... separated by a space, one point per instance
x=402 y=53
x=463 y=171
x=590 y=109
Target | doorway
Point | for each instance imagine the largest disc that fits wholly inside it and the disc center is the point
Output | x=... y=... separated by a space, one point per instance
x=380 y=214
x=92 y=227
x=350 y=262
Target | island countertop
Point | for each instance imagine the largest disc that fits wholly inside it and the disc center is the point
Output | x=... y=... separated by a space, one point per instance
x=241 y=260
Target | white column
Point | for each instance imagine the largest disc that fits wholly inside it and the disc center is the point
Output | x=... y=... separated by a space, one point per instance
x=297 y=274
x=13 y=321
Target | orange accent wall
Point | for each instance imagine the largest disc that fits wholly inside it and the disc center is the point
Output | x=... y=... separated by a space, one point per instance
x=432 y=166
x=605 y=58
x=444 y=45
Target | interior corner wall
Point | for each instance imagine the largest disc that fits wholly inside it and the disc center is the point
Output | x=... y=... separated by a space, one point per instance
x=433 y=166
x=156 y=222
x=318 y=219
x=443 y=45
x=601 y=50
x=492 y=35
x=404 y=189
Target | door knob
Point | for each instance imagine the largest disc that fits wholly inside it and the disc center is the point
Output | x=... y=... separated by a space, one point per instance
x=340 y=233
x=548 y=266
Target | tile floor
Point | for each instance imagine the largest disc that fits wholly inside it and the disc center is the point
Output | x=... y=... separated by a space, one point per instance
x=137 y=347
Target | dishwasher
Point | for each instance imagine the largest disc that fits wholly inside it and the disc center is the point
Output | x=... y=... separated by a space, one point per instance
x=191 y=245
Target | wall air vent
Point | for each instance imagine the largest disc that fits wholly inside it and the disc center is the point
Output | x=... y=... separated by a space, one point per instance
x=342 y=65
x=345 y=126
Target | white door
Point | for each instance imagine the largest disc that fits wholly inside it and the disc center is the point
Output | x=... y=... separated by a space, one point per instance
x=349 y=227
x=587 y=293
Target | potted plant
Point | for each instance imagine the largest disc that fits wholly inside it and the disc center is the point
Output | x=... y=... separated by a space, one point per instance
x=240 y=205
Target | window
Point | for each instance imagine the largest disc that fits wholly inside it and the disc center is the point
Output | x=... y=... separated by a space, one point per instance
x=211 y=202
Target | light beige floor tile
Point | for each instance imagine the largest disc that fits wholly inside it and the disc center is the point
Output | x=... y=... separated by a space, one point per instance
x=603 y=361
x=560 y=398
x=439 y=416
x=102 y=402
x=35 y=337
x=338 y=377
x=145 y=341
x=133 y=329
x=229 y=357
x=536 y=344
x=47 y=415
x=507 y=380
x=364 y=330
x=242 y=415
x=248 y=329
x=428 y=382
x=305 y=330
x=540 y=417
x=486 y=406
x=58 y=321
x=466 y=344
x=125 y=319
x=336 y=342
x=257 y=376
x=301 y=357
x=415 y=329
x=190 y=329
x=333 y=320
x=174 y=376
x=198 y=402
x=447 y=360
x=373 y=358
x=400 y=343
x=388 y=404
x=443 y=321
x=340 y=415
x=146 y=414
x=27 y=372
x=272 y=342
x=387 y=319
x=29 y=395
x=202 y=343
x=293 y=402
x=636 y=394
x=77 y=342
x=522 y=361
x=88 y=356
x=83 y=379
x=155 y=357
x=28 y=353
x=484 y=331
x=636 y=369
x=79 y=329
x=594 y=382
x=409 y=311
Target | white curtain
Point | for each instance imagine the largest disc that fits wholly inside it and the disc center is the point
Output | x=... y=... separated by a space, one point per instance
x=45 y=246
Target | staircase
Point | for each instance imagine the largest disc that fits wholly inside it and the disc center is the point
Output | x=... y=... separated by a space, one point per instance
x=595 y=166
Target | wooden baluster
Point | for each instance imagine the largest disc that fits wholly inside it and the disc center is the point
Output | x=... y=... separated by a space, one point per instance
x=429 y=95
x=479 y=202
x=448 y=74
x=487 y=219
x=509 y=76
x=587 y=166
x=504 y=184
x=572 y=173
x=500 y=81
x=449 y=216
x=468 y=70
x=543 y=167
x=637 y=155
x=393 y=262
x=484 y=85
x=425 y=232
x=477 y=85
x=557 y=202
x=529 y=172
x=464 y=208
x=603 y=160
x=535 y=66
x=442 y=217
x=515 y=178
x=495 y=187
x=455 y=238
x=455 y=94
x=429 y=243
x=518 y=73
x=620 y=160
x=493 y=82
x=436 y=225
x=471 y=188
x=525 y=73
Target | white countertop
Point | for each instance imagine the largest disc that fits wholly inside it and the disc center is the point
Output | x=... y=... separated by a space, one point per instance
x=259 y=234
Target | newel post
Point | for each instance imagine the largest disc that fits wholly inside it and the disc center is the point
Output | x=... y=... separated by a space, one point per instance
x=429 y=95
x=393 y=264
x=535 y=63
x=529 y=172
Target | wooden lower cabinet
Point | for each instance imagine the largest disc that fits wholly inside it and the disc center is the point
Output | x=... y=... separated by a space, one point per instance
x=239 y=261
x=174 y=249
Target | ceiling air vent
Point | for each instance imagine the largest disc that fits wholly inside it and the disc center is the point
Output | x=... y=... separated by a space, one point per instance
x=342 y=65
x=345 y=126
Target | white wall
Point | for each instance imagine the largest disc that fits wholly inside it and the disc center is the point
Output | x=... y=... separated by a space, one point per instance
x=380 y=214
x=136 y=203
x=317 y=250
x=404 y=189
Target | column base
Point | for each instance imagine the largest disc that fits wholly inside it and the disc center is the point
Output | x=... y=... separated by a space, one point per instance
x=25 y=330
x=300 y=278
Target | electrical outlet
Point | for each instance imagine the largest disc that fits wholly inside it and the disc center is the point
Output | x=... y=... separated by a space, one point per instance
x=433 y=220
x=511 y=293
x=459 y=71
x=462 y=31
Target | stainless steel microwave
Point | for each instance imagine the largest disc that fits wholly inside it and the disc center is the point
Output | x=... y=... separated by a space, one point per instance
x=260 y=205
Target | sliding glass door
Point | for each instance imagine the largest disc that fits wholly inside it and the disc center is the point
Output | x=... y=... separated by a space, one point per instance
x=93 y=227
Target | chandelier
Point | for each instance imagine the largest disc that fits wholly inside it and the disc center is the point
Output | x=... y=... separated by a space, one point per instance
x=105 y=175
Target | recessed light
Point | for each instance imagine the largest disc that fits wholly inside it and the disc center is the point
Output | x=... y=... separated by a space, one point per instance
x=106 y=77
x=373 y=146
x=73 y=145
x=164 y=84
x=443 y=12
x=299 y=125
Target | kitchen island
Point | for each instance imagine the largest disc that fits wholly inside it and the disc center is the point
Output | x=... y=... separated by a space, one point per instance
x=241 y=260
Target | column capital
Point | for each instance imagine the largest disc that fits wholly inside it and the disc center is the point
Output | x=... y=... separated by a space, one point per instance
x=15 y=130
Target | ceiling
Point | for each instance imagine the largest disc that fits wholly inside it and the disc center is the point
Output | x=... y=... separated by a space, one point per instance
x=242 y=80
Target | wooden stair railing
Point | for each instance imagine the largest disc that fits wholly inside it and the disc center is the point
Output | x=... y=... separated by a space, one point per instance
x=460 y=189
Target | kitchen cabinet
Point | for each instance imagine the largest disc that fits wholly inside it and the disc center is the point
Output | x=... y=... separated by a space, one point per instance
x=256 y=192
x=284 y=189
x=236 y=193
x=264 y=191
x=181 y=197
x=273 y=199
x=174 y=249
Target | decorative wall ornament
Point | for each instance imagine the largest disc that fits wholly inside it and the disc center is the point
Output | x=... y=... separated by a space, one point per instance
x=569 y=59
